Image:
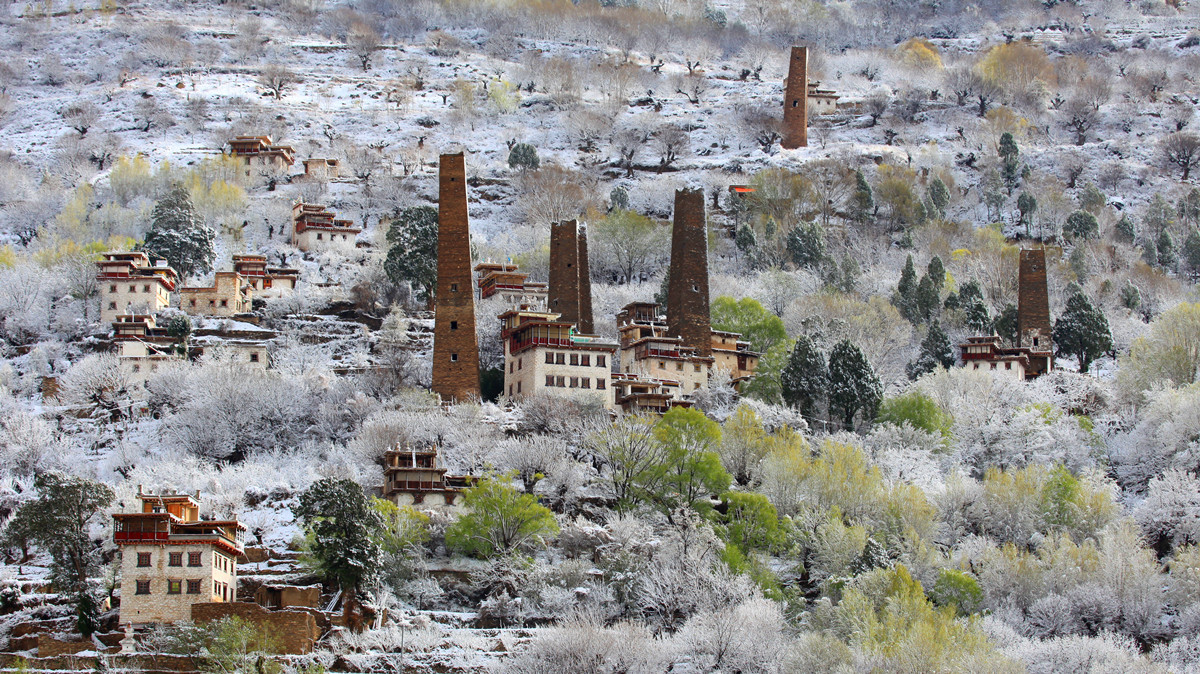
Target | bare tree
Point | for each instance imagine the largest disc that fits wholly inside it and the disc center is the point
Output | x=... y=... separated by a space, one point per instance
x=553 y=193
x=692 y=86
x=671 y=141
x=1182 y=150
x=80 y=116
x=1080 y=117
x=363 y=42
x=875 y=105
x=148 y=114
x=275 y=78
x=628 y=142
x=587 y=128
x=764 y=126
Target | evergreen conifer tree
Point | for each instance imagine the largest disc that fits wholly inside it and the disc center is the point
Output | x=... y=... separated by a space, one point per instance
x=1167 y=256
x=862 y=202
x=936 y=351
x=1191 y=253
x=177 y=235
x=805 y=378
x=905 y=297
x=1082 y=330
x=853 y=385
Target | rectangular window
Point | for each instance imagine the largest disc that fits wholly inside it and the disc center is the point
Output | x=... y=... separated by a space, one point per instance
x=193 y=587
x=662 y=364
x=510 y=390
x=549 y=380
x=574 y=359
x=143 y=559
x=600 y=361
x=224 y=303
x=112 y=289
x=133 y=289
x=679 y=367
x=254 y=358
x=454 y=358
x=175 y=559
x=174 y=587
x=193 y=302
x=574 y=382
x=453 y=325
x=561 y=381
x=520 y=362
x=453 y=287
x=193 y=559
x=510 y=367
x=601 y=384
x=585 y=360
x=143 y=587
x=320 y=237
x=697 y=367
x=586 y=382
x=549 y=358
x=518 y=387
x=561 y=359
x=1008 y=366
x=112 y=305
x=146 y=288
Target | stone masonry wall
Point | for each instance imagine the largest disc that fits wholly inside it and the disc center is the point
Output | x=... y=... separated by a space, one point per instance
x=564 y=271
x=1033 y=301
x=687 y=288
x=795 y=101
x=455 y=350
x=586 y=319
x=295 y=631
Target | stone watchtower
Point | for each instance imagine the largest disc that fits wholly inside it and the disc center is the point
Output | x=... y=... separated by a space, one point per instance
x=795 y=101
x=1033 y=313
x=687 y=287
x=455 y=350
x=570 y=292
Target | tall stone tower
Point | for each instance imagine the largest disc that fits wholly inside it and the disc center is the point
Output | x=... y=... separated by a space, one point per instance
x=1033 y=302
x=586 y=323
x=687 y=287
x=795 y=101
x=570 y=291
x=455 y=350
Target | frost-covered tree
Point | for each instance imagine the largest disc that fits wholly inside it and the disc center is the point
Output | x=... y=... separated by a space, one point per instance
x=862 y=201
x=905 y=297
x=523 y=156
x=412 y=249
x=1026 y=206
x=804 y=381
x=1182 y=150
x=59 y=520
x=343 y=531
x=936 y=351
x=1165 y=246
x=178 y=236
x=1082 y=330
x=806 y=244
x=1081 y=225
x=854 y=387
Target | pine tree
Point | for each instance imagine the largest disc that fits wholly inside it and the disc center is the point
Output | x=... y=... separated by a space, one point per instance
x=970 y=300
x=1131 y=297
x=939 y=197
x=412 y=250
x=618 y=199
x=806 y=244
x=177 y=235
x=853 y=385
x=862 y=203
x=1082 y=330
x=1092 y=200
x=1010 y=161
x=936 y=350
x=1126 y=230
x=937 y=273
x=343 y=531
x=1006 y=324
x=927 y=298
x=1150 y=252
x=1167 y=257
x=1081 y=225
x=1188 y=208
x=905 y=298
x=746 y=242
x=524 y=156
x=1027 y=206
x=805 y=378
x=1191 y=253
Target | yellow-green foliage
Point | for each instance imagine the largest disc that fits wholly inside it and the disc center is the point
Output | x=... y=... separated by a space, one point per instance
x=1185 y=575
x=130 y=178
x=1021 y=501
x=8 y=256
x=503 y=95
x=920 y=53
x=917 y=410
x=884 y=614
x=1169 y=354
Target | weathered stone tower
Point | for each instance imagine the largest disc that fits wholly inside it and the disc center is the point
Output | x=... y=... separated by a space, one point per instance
x=687 y=287
x=563 y=297
x=1033 y=302
x=455 y=350
x=1033 y=313
x=795 y=101
x=586 y=324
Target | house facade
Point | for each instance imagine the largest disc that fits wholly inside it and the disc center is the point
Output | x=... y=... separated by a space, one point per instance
x=505 y=280
x=229 y=295
x=259 y=153
x=543 y=355
x=265 y=281
x=412 y=477
x=130 y=284
x=142 y=347
x=172 y=559
x=316 y=230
